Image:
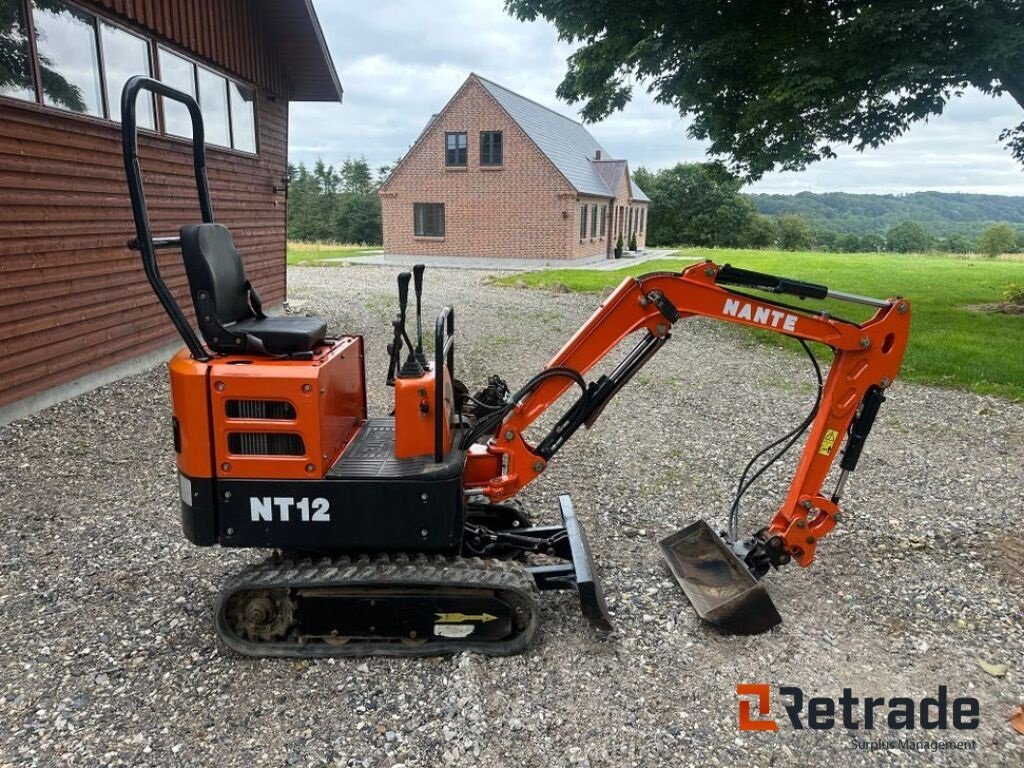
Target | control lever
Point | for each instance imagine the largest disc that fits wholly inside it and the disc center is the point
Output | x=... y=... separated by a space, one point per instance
x=411 y=368
x=417 y=277
x=395 y=348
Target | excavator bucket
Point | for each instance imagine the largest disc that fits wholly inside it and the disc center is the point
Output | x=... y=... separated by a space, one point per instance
x=720 y=588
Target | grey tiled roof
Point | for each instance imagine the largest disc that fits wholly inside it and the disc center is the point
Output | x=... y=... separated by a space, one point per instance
x=610 y=172
x=637 y=193
x=565 y=142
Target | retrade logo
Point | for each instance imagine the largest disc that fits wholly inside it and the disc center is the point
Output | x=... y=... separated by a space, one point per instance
x=761 y=693
x=822 y=713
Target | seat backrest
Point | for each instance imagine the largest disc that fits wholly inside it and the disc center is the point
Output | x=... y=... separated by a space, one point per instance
x=215 y=274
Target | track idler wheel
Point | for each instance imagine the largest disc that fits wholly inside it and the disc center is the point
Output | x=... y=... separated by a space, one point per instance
x=262 y=614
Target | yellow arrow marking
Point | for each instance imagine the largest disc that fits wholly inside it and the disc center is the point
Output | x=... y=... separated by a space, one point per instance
x=461 y=618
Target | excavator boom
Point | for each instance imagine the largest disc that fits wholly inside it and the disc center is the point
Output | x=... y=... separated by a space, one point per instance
x=867 y=357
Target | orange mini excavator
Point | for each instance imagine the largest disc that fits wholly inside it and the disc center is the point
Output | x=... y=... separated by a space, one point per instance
x=402 y=535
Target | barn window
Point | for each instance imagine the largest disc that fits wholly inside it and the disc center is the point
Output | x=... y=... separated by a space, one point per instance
x=68 y=57
x=455 y=149
x=82 y=62
x=490 y=148
x=125 y=55
x=228 y=114
x=16 y=78
x=428 y=219
x=180 y=73
x=243 y=118
x=213 y=98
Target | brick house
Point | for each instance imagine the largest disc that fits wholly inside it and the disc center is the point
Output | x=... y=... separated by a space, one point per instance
x=495 y=174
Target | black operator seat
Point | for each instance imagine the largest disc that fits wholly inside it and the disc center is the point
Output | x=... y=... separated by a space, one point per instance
x=228 y=308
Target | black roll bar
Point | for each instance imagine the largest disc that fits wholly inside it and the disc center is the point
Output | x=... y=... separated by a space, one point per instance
x=144 y=242
x=444 y=353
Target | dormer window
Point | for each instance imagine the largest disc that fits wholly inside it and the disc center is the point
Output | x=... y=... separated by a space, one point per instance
x=456 y=149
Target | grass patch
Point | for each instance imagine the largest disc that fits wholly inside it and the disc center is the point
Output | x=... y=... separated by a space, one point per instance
x=325 y=254
x=950 y=345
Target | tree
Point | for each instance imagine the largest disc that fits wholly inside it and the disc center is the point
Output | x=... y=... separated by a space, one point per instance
x=908 y=237
x=762 y=232
x=782 y=83
x=825 y=239
x=794 y=233
x=695 y=204
x=958 y=243
x=849 y=244
x=325 y=205
x=355 y=176
x=359 y=220
x=872 y=243
x=997 y=239
x=303 y=192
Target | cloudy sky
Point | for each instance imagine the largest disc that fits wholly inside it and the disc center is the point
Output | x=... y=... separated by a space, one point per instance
x=400 y=61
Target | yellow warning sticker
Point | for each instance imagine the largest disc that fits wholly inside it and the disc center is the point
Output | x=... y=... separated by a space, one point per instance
x=828 y=441
x=462 y=618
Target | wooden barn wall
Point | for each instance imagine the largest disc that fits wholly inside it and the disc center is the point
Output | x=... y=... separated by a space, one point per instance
x=73 y=298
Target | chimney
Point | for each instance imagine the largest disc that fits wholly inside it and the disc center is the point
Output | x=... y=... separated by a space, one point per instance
x=597 y=154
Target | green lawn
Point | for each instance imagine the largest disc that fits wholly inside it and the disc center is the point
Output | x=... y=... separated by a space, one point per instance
x=949 y=345
x=319 y=254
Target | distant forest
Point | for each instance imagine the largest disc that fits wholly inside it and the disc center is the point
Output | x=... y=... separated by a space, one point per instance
x=702 y=204
x=942 y=214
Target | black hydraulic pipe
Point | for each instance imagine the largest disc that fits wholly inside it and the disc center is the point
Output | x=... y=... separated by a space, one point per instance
x=133 y=171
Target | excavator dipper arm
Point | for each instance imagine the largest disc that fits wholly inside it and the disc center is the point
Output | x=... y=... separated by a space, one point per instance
x=867 y=359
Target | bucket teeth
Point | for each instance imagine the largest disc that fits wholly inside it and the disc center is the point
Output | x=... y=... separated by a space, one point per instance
x=718 y=584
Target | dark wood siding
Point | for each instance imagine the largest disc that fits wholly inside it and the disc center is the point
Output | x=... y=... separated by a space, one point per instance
x=73 y=298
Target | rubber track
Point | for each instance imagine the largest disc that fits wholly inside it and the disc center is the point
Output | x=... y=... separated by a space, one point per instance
x=508 y=578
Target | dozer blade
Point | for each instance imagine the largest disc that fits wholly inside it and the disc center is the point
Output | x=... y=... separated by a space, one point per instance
x=718 y=584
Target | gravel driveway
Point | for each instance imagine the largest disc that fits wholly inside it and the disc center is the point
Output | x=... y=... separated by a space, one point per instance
x=107 y=655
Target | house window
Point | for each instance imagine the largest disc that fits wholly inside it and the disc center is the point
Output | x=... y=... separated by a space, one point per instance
x=583 y=222
x=67 y=48
x=125 y=55
x=642 y=210
x=604 y=215
x=83 y=61
x=490 y=147
x=455 y=149
x=16 y=77
x=428 y=219
x=593 y=221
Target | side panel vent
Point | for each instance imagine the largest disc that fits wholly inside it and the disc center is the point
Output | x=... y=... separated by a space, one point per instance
x=260 y=409
x=265 y=444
